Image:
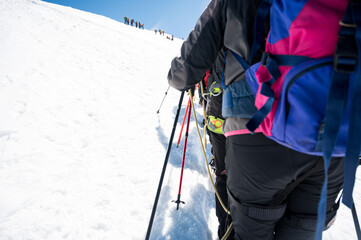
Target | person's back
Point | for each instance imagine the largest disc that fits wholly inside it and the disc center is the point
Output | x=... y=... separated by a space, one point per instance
x=258 y=169
x=274 y=190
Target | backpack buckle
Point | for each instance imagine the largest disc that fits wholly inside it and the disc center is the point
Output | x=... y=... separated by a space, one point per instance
x=346 y=58
x=345 y=64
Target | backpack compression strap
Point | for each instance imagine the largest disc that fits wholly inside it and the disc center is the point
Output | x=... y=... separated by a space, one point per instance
x=272 y=63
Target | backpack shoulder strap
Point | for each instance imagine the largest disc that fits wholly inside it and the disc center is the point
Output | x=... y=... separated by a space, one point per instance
x=261 y=16
x=260 y=19
x=345 y=63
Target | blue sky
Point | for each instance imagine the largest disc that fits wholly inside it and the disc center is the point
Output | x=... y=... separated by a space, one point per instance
x=176 y=17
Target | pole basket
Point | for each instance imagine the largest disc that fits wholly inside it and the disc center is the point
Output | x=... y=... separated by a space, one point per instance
x=178 y=201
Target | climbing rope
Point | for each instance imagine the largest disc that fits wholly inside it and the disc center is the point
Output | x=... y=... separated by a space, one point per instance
x=205 y=118
x=230 y=228
x=205 y=157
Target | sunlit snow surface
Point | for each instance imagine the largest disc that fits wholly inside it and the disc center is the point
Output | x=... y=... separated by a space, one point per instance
x=81 y=145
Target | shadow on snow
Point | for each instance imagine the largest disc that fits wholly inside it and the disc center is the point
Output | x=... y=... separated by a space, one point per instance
x=191 y=220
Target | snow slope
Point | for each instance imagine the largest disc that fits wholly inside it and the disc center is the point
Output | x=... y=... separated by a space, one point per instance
x=81 y=145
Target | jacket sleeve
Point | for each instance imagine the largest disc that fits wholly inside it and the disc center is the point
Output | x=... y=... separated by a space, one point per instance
x=200 y=50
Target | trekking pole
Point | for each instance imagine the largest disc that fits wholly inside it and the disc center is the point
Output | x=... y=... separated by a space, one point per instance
x=205 y=158
x=163 y=99
x=178 y=201
x=164 y=168
x=184 y=119
x=356 y=222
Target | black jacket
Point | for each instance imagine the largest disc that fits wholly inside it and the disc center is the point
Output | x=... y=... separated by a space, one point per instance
x=215 y=102
x=224 y=24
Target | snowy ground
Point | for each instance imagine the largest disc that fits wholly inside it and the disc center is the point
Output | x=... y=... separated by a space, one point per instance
x=81 y=145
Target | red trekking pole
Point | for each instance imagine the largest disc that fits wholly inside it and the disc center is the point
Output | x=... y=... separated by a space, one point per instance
x=178 y=201
x=184 y=119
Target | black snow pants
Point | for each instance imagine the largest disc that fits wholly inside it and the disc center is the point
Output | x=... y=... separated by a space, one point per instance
x=218 y=142
x=258 y=170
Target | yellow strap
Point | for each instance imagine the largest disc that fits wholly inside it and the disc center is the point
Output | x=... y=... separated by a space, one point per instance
x=215 y=90
x=215 y=124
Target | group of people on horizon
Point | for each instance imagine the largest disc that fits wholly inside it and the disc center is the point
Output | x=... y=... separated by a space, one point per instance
x=131 y=22
x=161 y=33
